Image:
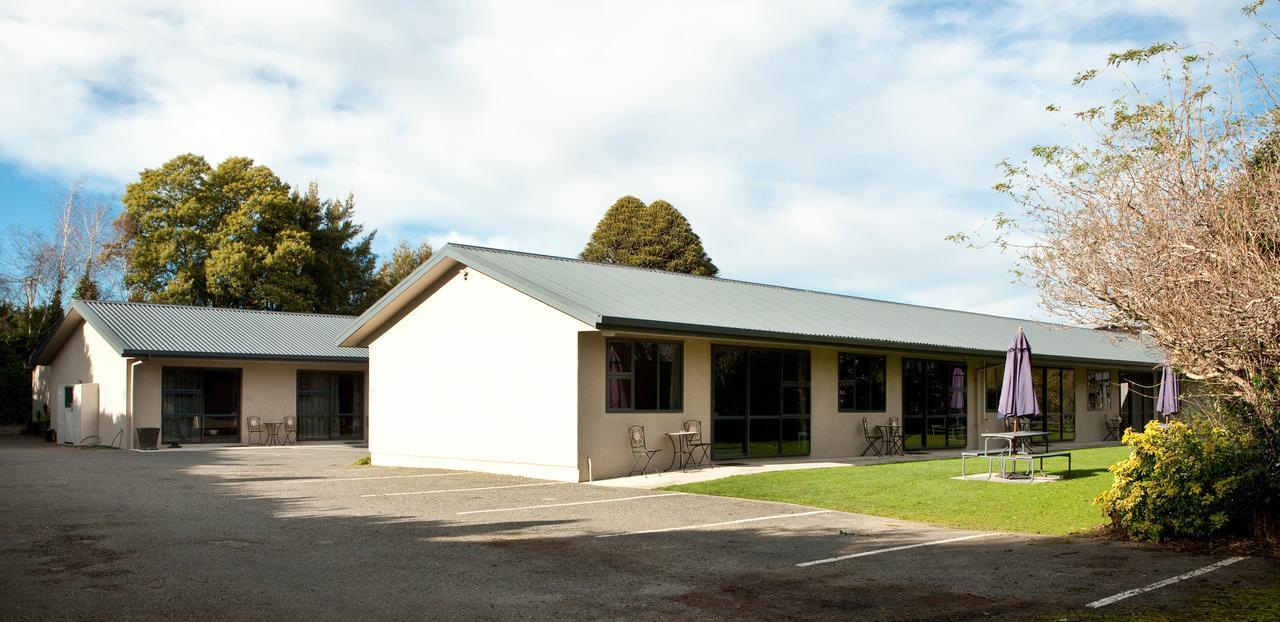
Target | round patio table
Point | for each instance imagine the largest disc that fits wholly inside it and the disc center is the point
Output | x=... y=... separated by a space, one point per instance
x=273 y=433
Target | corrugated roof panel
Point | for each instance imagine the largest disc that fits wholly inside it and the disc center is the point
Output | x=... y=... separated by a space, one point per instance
x=158 y=329
x=644 y=296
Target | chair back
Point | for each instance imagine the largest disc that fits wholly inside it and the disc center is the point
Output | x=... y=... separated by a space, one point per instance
x=866 y=429
x=695 y=426
x=254 y=423
x=290 y=423
x=636 y=434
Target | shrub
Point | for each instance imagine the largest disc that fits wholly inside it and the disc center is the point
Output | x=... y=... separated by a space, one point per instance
x=365 y=461
x=1183 y=481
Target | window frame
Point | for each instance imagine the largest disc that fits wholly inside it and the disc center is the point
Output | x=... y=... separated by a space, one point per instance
x=1106 y=390
x=996 y=369
x=884 y=389
x=631 y=375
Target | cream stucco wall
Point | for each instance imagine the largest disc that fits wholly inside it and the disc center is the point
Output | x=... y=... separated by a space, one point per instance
x=268 y=389
x=834 y=434
x=86 y=357
x=475 y=375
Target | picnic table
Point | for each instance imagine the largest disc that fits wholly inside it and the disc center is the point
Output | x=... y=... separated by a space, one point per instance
x=1015 y=447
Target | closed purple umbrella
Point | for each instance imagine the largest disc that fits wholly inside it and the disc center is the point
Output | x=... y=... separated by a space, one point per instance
x=1017 y=394
x=1170 y=393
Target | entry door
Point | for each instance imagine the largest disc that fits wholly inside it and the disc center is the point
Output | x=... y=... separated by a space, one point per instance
x=1139 y=405
x=330 y=405
x=760 y=402
x=934 y=407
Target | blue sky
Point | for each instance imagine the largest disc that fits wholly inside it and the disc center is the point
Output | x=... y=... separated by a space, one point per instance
x=828 y=145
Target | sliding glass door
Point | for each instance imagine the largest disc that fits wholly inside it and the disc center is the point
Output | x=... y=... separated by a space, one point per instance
x=1138 y=404
x=199 y=405
x=934 y=410
x=330 y=405
x=760 y=402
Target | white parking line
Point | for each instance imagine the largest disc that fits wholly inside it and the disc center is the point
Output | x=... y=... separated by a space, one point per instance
x=436 y=492
x=353 y=479
x=705 y=525
x=561 y=505
x=1159 y=584
x=892 y=549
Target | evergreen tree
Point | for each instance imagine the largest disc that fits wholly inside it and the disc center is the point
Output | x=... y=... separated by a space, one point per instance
x=86 y=288
x=619 y=234
x=673 y=244
x=654 y=236
x=237 y=236
x=404 y=260
x=344 y=262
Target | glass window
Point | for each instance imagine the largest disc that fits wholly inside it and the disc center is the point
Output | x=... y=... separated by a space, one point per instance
x=1099 y=389
x=1056 y=392
x=330 y=405
x=760 y=402
x=643 y=376
x=861 y=380
x=199 y=405
x=993 y=379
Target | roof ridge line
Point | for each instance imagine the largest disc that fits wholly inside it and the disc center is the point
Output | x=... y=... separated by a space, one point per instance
x=130 y=303
x=771 y=286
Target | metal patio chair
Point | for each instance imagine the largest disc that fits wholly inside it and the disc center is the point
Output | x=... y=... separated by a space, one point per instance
x=1114 y=425
x=897 y=440
x=640 y=452
x=254 y=425
x=290 y=430
x=873 y=440
x=694 y=442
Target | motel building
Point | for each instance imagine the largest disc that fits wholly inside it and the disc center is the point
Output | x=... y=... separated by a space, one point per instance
x=506 y=362
x=499 y=361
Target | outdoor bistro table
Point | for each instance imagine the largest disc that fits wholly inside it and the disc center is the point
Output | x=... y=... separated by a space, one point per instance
x=273 y=433
x=892 y=439
x=680 y=453
x=1015 y=442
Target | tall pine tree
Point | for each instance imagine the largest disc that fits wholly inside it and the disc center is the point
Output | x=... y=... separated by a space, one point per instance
x=654 y=236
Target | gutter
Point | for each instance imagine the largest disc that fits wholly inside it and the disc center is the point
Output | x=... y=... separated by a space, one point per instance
x=694 y=330
x=244 y=356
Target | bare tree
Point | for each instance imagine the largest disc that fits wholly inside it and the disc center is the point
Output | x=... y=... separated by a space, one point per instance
x=66 y=212
x=1166 y=222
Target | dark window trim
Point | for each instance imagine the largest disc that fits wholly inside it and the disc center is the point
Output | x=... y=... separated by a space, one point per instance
x=1088 y=380
x=362 y=414
x=986 y=388
x=631 y=374
x=840 y=383
x=240 y=415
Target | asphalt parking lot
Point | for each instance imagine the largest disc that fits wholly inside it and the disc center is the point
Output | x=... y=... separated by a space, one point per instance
x=239 y=533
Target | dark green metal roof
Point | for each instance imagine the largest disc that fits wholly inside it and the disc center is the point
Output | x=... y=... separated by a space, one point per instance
x=609 y=296
x=145 y=329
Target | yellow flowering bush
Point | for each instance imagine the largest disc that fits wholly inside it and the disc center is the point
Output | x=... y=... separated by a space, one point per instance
x=1181 y=481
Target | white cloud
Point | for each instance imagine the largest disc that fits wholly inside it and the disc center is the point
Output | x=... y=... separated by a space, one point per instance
x=821 y=144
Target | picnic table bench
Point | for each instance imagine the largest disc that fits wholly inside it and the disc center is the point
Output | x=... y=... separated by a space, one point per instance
x=1018 y=448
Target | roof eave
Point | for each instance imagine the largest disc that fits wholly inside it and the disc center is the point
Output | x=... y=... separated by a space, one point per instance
x=139 y=353
x=621 y=323
x=360 y=328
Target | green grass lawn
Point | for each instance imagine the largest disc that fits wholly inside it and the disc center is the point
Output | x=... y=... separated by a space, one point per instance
x=924 y=491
